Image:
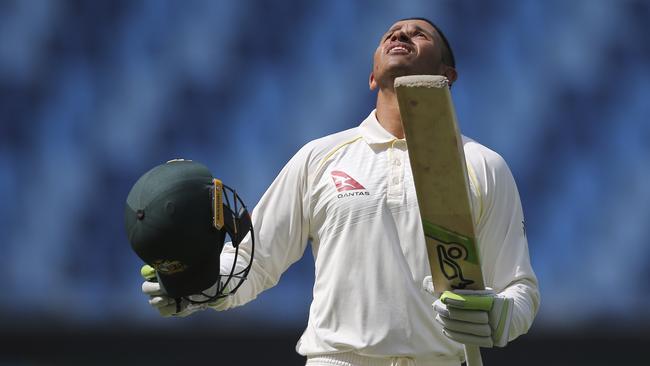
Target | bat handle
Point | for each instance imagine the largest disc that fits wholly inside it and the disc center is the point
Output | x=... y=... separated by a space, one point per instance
x=473 y=355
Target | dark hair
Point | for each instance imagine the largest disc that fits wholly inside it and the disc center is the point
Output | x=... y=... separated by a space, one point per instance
x=447 y=55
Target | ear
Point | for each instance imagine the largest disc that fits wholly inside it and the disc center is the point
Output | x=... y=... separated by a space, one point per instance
x=451 y=74
x=372 y=83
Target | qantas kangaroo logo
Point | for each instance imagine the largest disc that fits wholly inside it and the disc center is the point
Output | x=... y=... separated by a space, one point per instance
x=344 y=182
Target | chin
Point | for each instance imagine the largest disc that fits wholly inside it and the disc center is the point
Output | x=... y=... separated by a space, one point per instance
x=400 y=70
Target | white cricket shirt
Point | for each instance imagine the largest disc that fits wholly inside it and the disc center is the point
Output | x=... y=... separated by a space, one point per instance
x=352 y=194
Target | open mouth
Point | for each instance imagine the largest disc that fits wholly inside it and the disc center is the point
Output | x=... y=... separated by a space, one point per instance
x=398 y=49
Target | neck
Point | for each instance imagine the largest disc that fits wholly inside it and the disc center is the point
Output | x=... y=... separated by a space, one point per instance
x=388 y=112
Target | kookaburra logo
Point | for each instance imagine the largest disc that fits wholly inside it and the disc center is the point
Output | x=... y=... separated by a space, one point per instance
x=348 y=185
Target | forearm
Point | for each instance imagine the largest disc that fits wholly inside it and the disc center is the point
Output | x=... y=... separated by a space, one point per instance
x=256 y=282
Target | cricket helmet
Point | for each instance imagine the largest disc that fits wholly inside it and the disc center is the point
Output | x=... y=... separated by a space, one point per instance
x=177 y=217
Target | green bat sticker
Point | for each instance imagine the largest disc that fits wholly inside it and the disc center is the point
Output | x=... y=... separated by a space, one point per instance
x=451 y=248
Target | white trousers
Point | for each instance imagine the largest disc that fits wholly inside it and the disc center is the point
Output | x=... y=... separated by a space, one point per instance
x=353 y=359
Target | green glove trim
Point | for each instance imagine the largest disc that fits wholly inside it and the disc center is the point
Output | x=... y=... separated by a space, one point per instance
x=468 y=302
x=148 y=273
x=502 y=320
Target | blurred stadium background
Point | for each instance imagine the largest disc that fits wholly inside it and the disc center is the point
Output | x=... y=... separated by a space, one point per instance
x=94 y=93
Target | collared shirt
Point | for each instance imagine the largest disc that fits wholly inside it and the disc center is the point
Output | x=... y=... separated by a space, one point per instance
x=352 y=194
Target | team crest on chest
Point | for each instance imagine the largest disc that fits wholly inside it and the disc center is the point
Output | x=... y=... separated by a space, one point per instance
x=347 y=186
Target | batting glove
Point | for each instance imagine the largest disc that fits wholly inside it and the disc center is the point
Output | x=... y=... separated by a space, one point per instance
x=168 y=306
x=480 y=318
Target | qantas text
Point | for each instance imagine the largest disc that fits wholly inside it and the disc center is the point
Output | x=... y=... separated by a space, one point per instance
x=353 y=193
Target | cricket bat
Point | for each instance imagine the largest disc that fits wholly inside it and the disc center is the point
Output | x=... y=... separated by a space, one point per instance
x=441 y=184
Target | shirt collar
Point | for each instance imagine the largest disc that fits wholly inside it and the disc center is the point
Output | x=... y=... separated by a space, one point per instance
x=373 y=133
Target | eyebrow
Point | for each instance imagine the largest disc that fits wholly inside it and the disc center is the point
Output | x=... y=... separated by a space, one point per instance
x=417 y=27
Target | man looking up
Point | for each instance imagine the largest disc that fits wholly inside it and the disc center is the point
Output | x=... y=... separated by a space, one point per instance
x=352 y=195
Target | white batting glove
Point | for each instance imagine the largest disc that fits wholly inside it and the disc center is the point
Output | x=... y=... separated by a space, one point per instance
x=479 y=318
x=168 y=306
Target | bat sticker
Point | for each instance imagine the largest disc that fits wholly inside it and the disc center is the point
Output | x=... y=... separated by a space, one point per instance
x=452 y=248
x=447 y=256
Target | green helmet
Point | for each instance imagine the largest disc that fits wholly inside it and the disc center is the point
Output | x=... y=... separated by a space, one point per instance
x=177 y=217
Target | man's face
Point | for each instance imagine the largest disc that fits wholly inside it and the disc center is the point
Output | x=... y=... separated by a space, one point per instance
x=410 y=47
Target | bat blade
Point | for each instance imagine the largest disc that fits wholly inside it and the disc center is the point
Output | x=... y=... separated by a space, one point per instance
x=441 y=182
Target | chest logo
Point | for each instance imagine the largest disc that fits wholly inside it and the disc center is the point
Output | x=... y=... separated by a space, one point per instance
x=344 y=182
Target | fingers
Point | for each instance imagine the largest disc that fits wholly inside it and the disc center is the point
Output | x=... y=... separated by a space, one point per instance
x=161 y=301
x=147 y=272
x=165 y=305
x=481 y=330
x=441 y=308
x=464 y=326
x=152 y=288
x=472 y=316
x=168 y=306
x=468 y=300
x=427 y=284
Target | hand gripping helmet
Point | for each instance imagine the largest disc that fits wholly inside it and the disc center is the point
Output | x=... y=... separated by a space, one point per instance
x=177 y=217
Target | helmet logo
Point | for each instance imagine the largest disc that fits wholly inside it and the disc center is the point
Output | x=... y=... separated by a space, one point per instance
x=168 y=267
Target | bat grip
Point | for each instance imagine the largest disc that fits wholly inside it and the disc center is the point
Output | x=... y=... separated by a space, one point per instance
x=473 y=355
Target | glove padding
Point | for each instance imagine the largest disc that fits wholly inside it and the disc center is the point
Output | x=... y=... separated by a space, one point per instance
x=168 y=306
x=480 y=318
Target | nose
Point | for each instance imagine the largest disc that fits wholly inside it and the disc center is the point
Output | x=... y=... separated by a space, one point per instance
x=400 y=35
